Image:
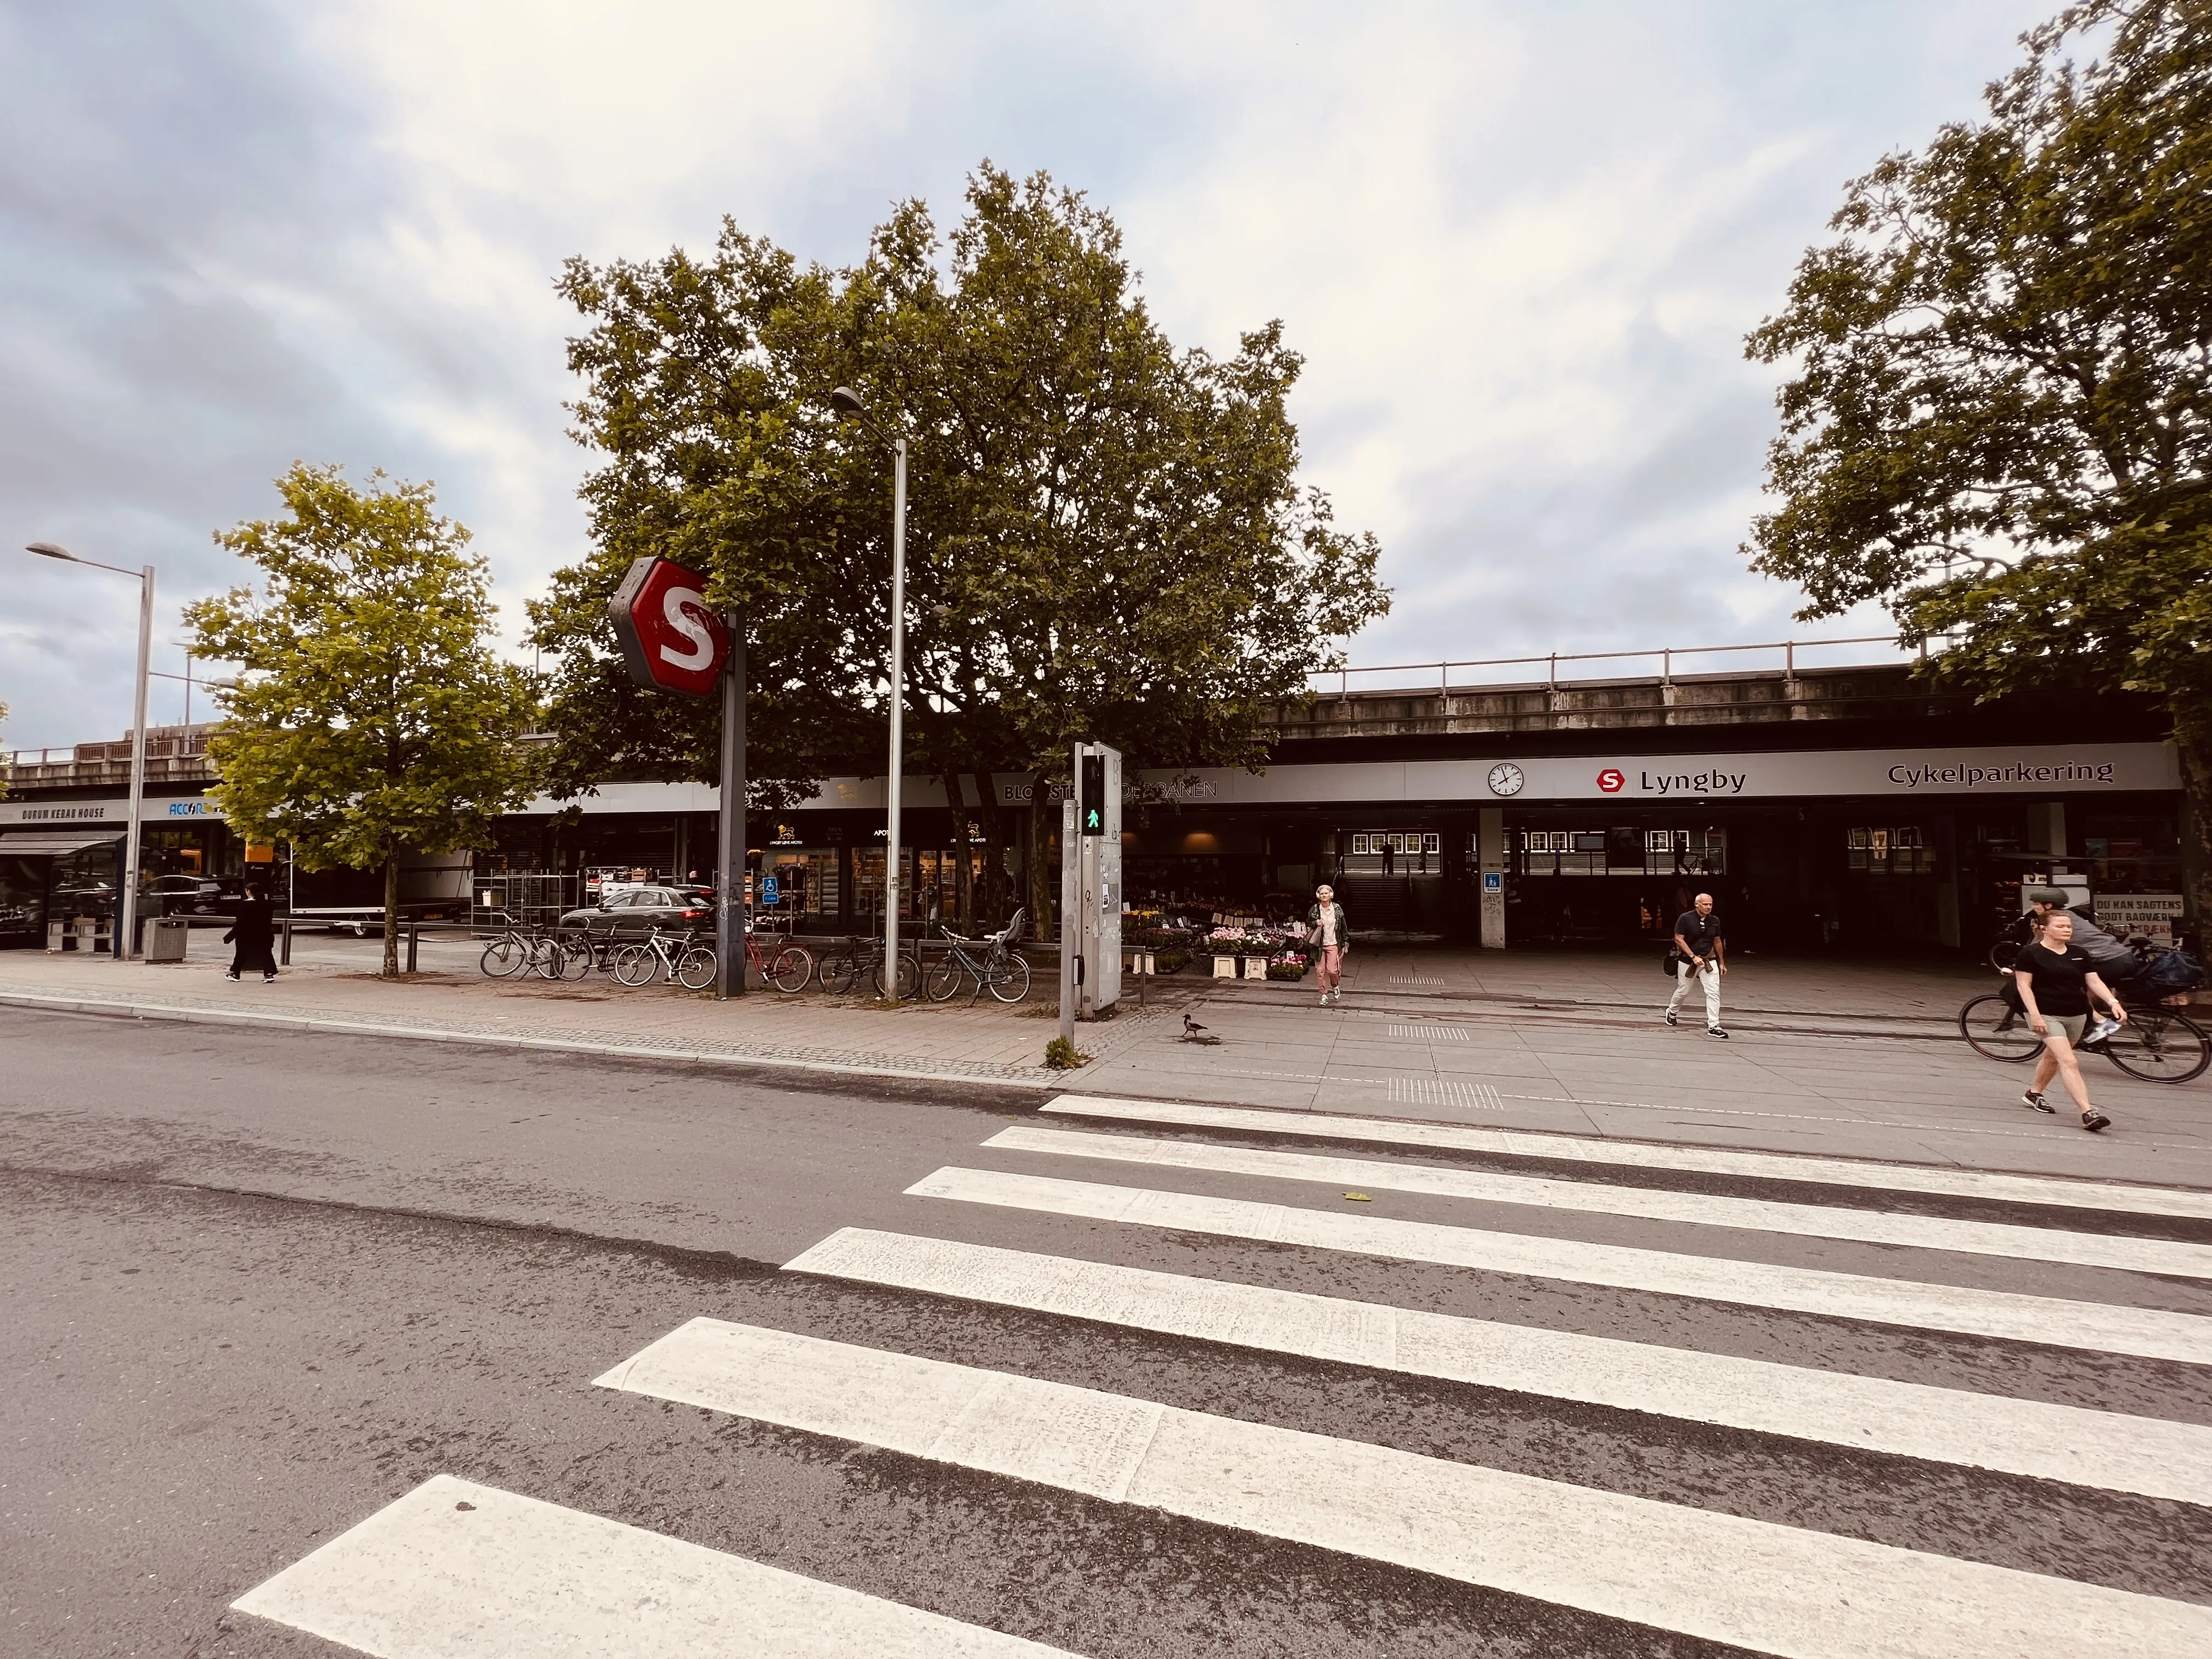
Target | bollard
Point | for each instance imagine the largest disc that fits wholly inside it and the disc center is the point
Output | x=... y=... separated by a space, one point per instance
x=284 y=947
x=414 y=938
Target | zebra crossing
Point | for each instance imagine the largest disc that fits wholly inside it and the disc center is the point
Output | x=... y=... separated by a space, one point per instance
x=2020 y=1431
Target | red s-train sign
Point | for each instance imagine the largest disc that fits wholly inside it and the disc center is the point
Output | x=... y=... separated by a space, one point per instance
x=670 y=640
x=1611 y=780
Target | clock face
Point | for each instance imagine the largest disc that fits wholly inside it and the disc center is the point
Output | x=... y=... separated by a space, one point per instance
x=1506 y=779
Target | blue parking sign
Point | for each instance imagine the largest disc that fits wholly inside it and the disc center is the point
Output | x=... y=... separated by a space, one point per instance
x=768 y=890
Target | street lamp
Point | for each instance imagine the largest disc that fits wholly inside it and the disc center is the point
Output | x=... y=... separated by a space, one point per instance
x=849 y=405
x=126 y=945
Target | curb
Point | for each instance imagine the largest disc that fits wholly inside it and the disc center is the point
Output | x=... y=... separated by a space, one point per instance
x=494 y=1040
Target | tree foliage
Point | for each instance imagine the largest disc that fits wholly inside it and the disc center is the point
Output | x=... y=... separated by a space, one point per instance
x=370 y=714
x=2002 y=414
x=1106 y=537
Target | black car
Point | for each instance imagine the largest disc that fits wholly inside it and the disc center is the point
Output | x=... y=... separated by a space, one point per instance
x=636 y=911
x=192 y=895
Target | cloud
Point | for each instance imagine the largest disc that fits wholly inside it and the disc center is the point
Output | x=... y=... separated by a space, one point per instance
x=1519 y=246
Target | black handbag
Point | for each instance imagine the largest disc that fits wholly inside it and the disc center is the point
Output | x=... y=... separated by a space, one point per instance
x=1667 y=963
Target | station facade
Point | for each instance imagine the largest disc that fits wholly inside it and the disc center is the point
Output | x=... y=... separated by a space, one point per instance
x=1846 y=810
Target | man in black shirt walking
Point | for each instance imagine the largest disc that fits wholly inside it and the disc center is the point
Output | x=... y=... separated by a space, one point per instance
x=1701 y=952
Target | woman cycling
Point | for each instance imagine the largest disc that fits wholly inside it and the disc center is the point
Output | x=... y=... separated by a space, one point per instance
x=2056 y=985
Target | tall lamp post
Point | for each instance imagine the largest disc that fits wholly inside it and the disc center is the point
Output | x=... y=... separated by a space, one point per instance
x=850 y=404
x=126 y=944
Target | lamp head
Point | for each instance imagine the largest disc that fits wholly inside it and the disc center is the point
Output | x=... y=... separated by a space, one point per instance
x=847 y=402
x=50 y=551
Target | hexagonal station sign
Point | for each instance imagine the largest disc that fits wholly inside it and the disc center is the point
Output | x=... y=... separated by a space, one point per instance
x=670 y=640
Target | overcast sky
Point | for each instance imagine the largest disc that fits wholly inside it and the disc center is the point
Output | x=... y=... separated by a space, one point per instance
x=1519 y=244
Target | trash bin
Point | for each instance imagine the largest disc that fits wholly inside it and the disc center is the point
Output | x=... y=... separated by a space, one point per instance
x=171 y=935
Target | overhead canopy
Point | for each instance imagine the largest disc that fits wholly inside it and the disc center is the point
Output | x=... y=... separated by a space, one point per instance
x=53 y=844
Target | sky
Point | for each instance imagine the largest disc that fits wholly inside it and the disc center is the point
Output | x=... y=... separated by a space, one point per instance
x=1519 y=245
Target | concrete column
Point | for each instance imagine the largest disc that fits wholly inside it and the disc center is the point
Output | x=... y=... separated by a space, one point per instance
x=2046 y=828
x=1947 y=881
x=1490 y=857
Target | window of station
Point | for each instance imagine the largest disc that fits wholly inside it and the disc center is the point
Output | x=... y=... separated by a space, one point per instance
x=1890 y=850
x=1395 y=852
x=805 y=880
x=1620 y=850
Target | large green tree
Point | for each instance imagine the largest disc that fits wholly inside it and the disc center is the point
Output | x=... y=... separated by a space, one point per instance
x=371 y=714
x=1106 y=535
x=2002 y=413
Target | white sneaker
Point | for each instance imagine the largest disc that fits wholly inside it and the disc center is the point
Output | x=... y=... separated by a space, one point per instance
x=2101 y=1028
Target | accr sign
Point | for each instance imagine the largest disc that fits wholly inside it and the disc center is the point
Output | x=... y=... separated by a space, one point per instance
x=671 y=641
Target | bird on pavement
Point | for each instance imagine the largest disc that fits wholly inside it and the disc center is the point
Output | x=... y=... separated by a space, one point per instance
x=1193 y=1032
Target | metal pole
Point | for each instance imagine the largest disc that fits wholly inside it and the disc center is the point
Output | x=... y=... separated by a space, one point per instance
x=127 y=946
x=898 y=710
x=730 y=825
x=1070 y=904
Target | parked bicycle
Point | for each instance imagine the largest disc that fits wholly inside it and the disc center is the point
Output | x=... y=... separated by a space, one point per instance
x=992 y=963
x=2004 y=954
x=523 y=951
x=659 y=956
x=788 y=969
x=857 y=961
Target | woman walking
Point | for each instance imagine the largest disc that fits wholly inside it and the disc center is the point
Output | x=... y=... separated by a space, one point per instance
x=2056 y=986
x=253 y=933
x=1328 y=932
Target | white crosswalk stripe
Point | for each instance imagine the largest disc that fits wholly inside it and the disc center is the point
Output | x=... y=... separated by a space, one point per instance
x=464 y=1570
x=1777 y=1590
x=2147 y=1255
x=2150 y=1333
x=469 y=1571
x=1948 y=1425
x=2054 y=1190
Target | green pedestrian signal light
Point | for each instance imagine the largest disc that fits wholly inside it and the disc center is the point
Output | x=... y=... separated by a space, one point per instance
x=1091 y=797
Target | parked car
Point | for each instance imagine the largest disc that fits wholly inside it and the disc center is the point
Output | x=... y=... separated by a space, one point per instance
x=192 y=895
x=636 y=911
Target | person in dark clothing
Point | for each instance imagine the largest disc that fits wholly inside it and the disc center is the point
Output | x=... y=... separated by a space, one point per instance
x=1701 y=958
x=252 y=936
x=2056 y=981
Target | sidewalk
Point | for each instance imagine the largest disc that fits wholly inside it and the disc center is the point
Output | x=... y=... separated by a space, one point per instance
x=1842 y=1059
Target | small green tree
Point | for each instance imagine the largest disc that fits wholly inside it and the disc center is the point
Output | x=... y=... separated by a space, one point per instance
x=370 y=714
x=2001 y=425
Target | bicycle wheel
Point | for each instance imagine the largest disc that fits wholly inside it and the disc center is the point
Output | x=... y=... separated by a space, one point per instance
x=2004 y=954
x=694 y=969
x=839 y=974
x=943 y=983
x=793 y=967
x=2159 y=1047
x=1997 y=1030
x=576 y=957
x=504 y=956
x=545 y=958
x=909 y=977
x=636 y=965
x=1010 y=981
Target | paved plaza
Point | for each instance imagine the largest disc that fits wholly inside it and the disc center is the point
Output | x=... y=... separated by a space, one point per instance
x=1834 y=1057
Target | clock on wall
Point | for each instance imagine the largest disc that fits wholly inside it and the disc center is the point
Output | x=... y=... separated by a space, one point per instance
x=1506 y=779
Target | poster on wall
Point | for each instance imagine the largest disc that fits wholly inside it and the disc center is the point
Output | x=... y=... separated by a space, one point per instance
x=2153 y=914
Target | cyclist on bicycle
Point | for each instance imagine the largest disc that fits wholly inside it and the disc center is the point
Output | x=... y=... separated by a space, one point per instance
x=2056 y=982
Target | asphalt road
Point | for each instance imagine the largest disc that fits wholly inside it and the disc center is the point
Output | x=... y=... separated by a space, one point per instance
x=260 y=1285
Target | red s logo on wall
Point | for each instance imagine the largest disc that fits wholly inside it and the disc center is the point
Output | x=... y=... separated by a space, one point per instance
x=1611 y=780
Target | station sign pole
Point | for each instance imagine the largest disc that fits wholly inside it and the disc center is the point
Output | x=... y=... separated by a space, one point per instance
x=670 y=641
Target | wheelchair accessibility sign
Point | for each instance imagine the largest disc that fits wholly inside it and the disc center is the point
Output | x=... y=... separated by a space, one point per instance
x=1493 y=881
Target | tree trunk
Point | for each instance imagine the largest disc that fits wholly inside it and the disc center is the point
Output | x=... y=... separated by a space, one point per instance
x=2192 y=742
x=391 y=916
